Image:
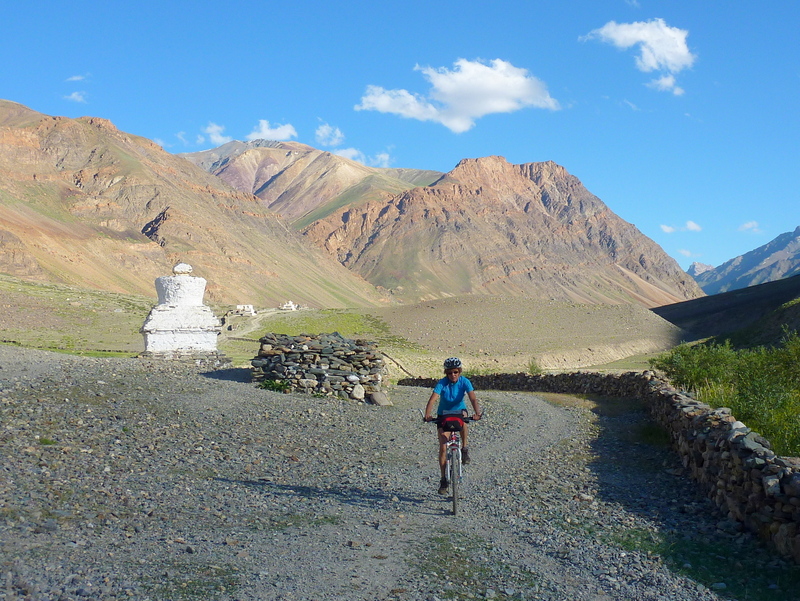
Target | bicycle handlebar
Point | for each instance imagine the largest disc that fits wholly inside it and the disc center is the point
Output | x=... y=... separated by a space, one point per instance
x=467 y=418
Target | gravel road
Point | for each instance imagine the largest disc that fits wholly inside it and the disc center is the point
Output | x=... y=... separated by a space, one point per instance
x=133 y=479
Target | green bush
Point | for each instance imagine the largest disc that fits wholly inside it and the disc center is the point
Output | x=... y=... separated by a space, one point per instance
x=534 y=368
x=761 y=385
x=275 y=385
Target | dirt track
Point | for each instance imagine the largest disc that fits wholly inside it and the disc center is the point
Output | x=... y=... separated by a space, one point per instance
x=134 y=479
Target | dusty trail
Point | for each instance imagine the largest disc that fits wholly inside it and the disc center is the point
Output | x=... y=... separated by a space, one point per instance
x=379 y=548
x=128 y=479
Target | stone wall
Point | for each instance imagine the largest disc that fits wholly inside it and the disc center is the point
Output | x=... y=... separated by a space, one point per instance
x=759 y=490
x=326 y=364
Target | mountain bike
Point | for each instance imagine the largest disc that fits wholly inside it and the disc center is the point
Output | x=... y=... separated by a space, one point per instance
x=452 y=424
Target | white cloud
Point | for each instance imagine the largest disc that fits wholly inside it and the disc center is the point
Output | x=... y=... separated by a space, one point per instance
x=666 y=84
x=382 y=159
x=199 y=139
x=684 y=252
x=751 y=226
x=77 y=97
x=661 y=48
x=457 y=98
x=690 y=226
x=327 y=135
x=160 y=142
x=181 y=135
x=351 y=153
x=214 y=132
x=76 y=78
x=263 y=131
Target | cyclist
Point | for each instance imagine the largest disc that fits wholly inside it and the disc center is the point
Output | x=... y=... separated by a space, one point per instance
x=449 y=392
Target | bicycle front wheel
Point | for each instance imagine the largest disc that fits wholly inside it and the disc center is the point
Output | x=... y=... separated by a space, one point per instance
x=455 y=477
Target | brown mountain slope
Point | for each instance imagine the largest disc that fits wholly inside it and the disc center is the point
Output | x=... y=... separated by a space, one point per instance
x=86 y=204
x=490 y=227
x=760 y=311
x=301 y=183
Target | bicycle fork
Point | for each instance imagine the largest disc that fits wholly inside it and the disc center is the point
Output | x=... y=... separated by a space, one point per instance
x=452 y=453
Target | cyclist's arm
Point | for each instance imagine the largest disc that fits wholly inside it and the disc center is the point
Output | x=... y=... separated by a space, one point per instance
x=430 y=405
x=475 y=407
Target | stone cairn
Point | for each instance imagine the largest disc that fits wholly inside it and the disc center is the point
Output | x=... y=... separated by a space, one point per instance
x=326 y=364
x=180 y=326
x=758 y=490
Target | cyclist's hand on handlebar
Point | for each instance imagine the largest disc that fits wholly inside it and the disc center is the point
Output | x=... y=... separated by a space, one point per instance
x=427 y=418
x=477 y=416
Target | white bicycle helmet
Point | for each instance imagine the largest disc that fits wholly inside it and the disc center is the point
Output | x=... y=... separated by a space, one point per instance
x=452 y=363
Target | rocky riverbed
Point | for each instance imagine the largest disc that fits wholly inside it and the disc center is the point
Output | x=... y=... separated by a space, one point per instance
x=138 y=479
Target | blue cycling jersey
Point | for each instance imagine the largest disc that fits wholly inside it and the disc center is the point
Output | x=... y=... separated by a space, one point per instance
x=451 y=394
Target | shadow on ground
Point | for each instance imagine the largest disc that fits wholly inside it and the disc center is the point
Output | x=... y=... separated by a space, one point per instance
x=346 y=495
x=233 y=374
x=636 y=468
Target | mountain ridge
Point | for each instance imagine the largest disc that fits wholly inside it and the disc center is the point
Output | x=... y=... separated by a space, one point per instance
x=86 y=204
x=490 y=227
x=299 y=182
x=777 y=259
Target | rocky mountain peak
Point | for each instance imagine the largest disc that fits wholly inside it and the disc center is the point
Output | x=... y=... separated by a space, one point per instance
x=696 y=268
x=492 y=227
x=775 y=260
x=98 y=122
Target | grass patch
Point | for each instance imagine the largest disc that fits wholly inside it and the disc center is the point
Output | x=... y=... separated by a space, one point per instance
x=184 y=580
x=760 y=385
x=462 y=567
x=748 y=572
x=632 y=363
x=533 y=367
x=275 y=385
x=295 y=520
x=73 y=320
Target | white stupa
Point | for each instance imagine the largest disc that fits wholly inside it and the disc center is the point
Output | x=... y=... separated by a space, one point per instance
x=180 y=325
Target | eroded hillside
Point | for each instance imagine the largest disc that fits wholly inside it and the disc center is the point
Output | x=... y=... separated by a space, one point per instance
x=83 y=203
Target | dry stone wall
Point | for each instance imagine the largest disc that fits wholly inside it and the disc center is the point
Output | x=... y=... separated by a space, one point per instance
x=328 y=364
x=736 y=467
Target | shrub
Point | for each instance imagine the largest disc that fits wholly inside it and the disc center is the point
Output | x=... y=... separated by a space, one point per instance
x=275 y=385
x=534 y=368
x=761 y=385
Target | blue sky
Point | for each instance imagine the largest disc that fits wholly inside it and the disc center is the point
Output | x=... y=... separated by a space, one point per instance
x=683 y=117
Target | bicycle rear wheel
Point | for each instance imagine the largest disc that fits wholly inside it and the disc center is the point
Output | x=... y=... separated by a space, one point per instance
x=455 y=477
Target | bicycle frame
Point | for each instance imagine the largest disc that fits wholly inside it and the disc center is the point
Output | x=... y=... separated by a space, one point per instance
x=453 y=472
x=453 y=451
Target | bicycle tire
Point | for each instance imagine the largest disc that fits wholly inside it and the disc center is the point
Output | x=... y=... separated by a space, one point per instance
x=455 y=476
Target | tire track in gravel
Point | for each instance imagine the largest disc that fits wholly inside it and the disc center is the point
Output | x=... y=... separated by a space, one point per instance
x=390 y=536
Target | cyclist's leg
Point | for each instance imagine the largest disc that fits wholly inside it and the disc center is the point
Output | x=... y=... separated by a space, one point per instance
x=464 y=436
x=442 y=451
